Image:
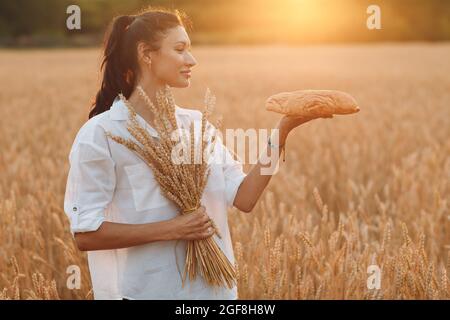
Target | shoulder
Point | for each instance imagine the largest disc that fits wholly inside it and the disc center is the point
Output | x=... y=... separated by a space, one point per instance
x=193 y=114
x=92 y=127
x=93 y=132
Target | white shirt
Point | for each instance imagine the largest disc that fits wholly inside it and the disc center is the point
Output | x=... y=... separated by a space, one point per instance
x=108 y=182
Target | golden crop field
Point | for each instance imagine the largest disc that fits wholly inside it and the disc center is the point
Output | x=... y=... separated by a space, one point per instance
x=365 y=189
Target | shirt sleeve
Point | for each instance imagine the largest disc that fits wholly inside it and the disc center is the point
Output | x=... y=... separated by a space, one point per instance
x=90 y=183
x=232 y=170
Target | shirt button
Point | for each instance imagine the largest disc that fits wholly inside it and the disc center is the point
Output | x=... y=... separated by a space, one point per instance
x=75 y=209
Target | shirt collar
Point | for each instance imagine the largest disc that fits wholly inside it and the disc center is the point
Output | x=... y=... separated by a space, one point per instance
x=119 y=111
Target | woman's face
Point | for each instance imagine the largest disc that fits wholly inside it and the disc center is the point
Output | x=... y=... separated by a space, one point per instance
x=173 y=61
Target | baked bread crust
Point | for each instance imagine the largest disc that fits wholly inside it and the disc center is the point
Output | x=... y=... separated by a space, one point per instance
x=317 y=103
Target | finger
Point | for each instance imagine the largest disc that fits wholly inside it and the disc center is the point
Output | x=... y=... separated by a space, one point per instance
x=197 y=220
x=193 y=217
x=200 y=222
x=203 y=227
x=208 y=233
x=207 y=225
x=197 y=217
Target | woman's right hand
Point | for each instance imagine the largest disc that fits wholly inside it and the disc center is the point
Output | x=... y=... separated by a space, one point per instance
x=192 y=226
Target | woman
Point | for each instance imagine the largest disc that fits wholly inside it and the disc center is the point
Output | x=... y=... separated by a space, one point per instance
x=116 y=209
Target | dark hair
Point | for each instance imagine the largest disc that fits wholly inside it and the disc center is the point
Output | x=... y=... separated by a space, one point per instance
x=119 y=63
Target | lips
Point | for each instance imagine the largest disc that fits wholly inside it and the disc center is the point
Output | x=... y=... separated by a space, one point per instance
x=187 y=73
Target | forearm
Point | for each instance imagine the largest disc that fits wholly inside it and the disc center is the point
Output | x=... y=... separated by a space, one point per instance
x=112 y=235
x=255 y=182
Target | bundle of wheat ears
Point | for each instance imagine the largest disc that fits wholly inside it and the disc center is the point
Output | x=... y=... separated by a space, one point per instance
x=183 y=183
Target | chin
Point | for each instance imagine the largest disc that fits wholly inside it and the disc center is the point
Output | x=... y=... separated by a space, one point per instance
x=185 y=84
x=181 y=84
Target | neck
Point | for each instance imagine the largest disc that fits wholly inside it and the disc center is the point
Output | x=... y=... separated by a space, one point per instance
x=150 y=88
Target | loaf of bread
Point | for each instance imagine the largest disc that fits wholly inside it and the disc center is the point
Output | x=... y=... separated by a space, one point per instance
x=315 y=103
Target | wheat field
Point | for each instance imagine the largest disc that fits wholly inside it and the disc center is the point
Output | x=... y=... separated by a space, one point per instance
x=360 y=190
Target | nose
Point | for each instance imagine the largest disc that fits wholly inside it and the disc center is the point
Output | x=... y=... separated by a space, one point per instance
x=191 y=60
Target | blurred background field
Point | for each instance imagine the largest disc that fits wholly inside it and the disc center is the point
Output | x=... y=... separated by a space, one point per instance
x=365 y=189
x=25 y=23
x=381 y=176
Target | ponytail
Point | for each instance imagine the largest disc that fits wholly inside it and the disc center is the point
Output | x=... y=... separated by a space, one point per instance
x=113 y=67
